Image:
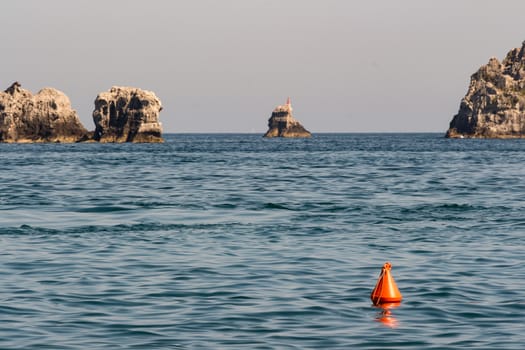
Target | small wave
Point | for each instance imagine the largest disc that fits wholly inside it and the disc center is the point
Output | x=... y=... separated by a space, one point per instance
x=116 y=229
x=103 y=209
x=225 y=206
x=27 y=230
x=440 y=209
x=275 y=206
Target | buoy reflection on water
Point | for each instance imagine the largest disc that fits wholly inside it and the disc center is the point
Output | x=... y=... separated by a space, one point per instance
x=385 y=316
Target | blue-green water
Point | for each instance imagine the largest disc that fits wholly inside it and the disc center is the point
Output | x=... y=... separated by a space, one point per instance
x=238 y=242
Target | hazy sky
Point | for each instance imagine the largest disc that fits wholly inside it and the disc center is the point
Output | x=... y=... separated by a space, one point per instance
x=223 y=65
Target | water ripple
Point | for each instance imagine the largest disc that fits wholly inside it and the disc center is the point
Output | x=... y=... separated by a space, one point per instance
x=236 y=242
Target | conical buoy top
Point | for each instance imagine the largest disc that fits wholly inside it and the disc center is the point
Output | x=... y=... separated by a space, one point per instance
x=386 y=290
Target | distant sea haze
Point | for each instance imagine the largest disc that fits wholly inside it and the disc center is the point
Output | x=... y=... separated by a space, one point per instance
x=234 y=241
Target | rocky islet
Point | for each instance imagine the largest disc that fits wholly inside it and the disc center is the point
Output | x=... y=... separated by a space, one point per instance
x=126 y=114
x=494 y=106
x=44 y=117
x=283 y=124
x=122 y=114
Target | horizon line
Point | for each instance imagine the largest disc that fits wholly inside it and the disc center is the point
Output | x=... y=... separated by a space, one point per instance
x=313 y=133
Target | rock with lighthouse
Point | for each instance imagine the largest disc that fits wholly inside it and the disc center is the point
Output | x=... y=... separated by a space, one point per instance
x=283 y=124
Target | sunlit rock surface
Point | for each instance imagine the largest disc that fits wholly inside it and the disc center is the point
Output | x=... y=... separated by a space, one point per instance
x=126 y=114
x=283 y=124
x=44 y=117
x=494 y=106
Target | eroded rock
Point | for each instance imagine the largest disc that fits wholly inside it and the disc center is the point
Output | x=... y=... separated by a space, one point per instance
x=126 y=114
x=44 y=117
x=494 y=106
x=283 y=124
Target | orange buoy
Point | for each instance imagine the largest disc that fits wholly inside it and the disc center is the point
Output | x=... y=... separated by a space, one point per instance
x=386 y=290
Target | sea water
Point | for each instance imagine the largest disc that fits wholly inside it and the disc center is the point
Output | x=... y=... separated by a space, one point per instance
x=239 y=242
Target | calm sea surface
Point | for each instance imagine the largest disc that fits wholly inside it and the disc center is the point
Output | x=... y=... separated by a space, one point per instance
x=239 y=242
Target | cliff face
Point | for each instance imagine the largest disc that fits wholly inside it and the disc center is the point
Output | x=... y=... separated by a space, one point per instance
x=283 y=124
x=494 y=106
x=125 y=114
x=44 y=117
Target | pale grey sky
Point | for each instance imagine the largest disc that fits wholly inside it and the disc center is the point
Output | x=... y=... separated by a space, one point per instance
x=223 y=65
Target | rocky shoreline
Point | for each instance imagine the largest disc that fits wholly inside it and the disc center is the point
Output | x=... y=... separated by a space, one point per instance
x=122 y=114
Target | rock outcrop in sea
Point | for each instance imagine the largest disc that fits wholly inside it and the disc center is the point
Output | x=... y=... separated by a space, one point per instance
x=494 y=106
x=44 y=117
x=283 y=124
x=126 y=114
